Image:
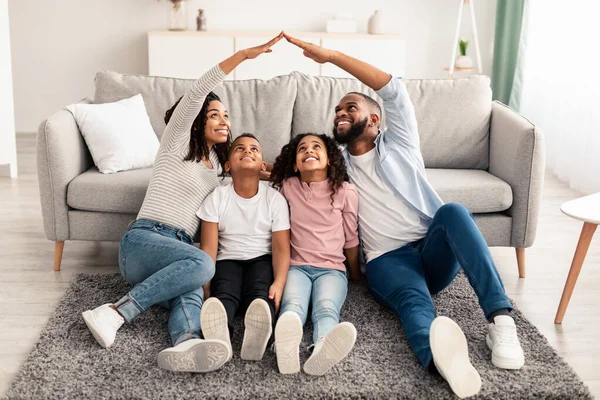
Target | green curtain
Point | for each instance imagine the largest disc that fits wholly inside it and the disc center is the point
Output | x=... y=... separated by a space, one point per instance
x=509 y=19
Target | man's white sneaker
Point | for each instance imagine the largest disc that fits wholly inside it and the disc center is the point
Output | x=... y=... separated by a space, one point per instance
x=331 y=349
x=213 y=320
x=257 y=332
x=288 y=335
x=503 y=341
x=451 y=357
x=195 y=355
x=103 y=322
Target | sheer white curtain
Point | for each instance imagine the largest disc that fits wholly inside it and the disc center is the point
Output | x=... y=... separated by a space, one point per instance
x=557 y=86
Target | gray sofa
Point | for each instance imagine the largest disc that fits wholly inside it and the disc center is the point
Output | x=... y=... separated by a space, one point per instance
x=477 y=152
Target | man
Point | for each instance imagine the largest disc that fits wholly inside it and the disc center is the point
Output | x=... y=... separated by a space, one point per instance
x=413 y=243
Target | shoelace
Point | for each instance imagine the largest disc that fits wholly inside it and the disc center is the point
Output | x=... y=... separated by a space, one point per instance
x=506 y=335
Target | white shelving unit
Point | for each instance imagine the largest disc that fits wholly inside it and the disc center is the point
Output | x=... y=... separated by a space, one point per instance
x=8 y=148
x=188 y=54
x=452 y=68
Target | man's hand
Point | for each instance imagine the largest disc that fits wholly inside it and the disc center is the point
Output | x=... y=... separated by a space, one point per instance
x=254 y=52
x=275 y=293
x=312 y=51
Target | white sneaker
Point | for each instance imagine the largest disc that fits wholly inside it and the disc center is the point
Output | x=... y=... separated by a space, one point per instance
x=503 y=341
x=195 y=355
x=331 y=349
x=257 y=332
x=103 y=322
x=451 y=357
x=288 y=335
x=213 y=320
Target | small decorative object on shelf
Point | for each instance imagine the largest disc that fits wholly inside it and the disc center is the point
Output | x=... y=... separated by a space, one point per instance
x=201 y=20
x=463 y=60
x=178 y=16
x=375 y=26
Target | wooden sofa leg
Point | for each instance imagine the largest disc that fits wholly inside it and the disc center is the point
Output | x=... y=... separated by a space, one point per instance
x=521 y=261
x=58 y=252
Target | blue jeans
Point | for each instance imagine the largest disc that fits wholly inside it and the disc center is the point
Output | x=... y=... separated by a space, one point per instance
x=164 y=268
x=328 y=287
x=404 y=279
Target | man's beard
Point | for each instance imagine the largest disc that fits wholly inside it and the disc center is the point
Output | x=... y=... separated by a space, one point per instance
x=354 y=132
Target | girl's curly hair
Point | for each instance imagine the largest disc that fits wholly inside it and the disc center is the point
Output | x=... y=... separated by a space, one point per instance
x=198 y=147
x=284 y=164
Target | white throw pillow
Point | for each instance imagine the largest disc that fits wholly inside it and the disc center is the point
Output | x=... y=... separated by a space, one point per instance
x=119 y=135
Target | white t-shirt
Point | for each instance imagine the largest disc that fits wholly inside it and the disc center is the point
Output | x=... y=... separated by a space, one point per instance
x=385 y=222
x=245 y=225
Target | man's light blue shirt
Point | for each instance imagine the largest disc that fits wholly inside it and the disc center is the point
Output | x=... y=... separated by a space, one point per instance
x=399 y=161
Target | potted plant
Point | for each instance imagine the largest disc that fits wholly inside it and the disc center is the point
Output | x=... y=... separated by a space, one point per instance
x=463 y=60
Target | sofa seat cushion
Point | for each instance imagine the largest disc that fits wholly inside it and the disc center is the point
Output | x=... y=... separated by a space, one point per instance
x=479 y=191
x=122 y=192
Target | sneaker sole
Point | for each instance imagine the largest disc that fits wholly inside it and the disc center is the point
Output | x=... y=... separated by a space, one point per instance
x=204 y=356
x=90 y=321
x=338 y=344
x=257 y=332
x=501 y=362
x=451 y=355
x=288 y=335
x=213 y=320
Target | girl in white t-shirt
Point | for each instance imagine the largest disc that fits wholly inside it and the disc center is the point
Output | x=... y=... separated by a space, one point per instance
x=311 y=173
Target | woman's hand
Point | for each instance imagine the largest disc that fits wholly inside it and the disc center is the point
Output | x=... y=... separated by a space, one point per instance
x=312 y=51
x=254 y=52
x=229 y=64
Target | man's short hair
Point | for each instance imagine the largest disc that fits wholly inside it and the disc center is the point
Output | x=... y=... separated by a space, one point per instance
x=243 y=135
x=371 y=103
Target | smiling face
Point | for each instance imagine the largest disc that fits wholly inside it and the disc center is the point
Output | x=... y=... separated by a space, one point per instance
x=245 y=155
x=351 y=118
x=217 y=126
x=311 y=155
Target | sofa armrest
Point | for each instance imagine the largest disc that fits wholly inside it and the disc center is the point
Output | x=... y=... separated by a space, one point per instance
x=61 y=156
x=517 y=156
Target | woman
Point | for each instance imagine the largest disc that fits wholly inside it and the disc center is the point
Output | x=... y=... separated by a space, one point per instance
x=156 y=254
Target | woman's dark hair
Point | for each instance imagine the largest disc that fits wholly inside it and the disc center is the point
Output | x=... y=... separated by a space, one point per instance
x=284 y=164
x=198 y=146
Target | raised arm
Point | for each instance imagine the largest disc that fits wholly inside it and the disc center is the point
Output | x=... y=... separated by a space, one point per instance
x=400 y=119
x=368 y=74
x=178 y=130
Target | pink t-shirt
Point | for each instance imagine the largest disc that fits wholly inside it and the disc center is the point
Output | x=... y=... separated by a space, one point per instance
x=320 y=232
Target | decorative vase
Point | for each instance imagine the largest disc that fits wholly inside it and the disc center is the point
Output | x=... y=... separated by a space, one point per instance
x=463 y=62
x=375 y=26
x=178 y=17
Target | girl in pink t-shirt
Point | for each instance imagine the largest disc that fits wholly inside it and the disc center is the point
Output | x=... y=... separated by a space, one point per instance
x=311 y=174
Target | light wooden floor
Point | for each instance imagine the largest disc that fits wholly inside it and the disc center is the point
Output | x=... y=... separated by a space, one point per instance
x=30 y=289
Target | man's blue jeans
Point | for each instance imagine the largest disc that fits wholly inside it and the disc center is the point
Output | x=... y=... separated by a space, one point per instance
x=404 y=279
x=327 y=288
x=165 y=268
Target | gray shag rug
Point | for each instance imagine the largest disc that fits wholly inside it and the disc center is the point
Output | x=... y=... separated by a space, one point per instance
x=67 y=363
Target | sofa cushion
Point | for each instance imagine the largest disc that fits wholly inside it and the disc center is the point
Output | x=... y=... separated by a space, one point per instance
x=479 y=191
x=453 y=115
x=263 y=108
x=122 y=192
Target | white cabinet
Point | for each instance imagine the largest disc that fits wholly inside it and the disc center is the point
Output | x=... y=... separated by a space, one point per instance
x=188 y=54
x=386 y=54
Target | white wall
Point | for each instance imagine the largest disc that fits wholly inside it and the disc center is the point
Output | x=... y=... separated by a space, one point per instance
x=58 y=46
x=8 y=154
